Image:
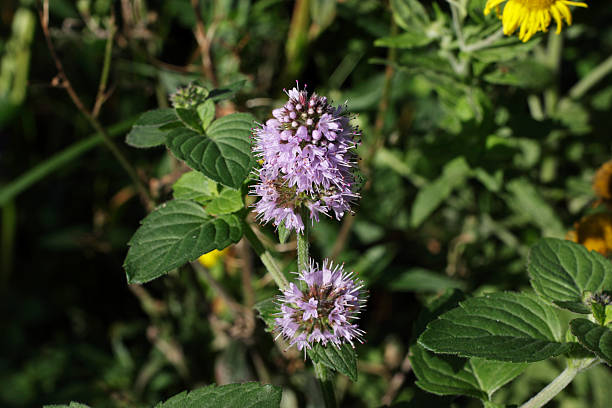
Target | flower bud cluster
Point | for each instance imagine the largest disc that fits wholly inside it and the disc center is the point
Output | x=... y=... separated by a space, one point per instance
x=324 y=310
x=308 y=161
x=189 y=96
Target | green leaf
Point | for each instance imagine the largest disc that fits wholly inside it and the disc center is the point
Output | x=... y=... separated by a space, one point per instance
x=452 y=375
x=227 y=92
x=267 y=309
x=223 y=153
x=596 y=338
x=409 y=39
x=502 y=326
x=527 y=200
x=342 y=359
x=228 y=201
x=190 y=118
x=408 y=12
x=175 y=233
x=444 y=374
x=206 y=113
x=247 y=395
x=561 y=271
x=151 y=128
x=195 y=186
x=419 y=279
x=431 y=196
x=521 y=73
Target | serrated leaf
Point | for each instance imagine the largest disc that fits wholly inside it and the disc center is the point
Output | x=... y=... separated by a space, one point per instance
x=267 y=309
x=195 y=186
x=342 y=359
x=561 y=271
x=148 y=130
x=223 y=153
x=228 y=201
x=452 y=375
x=190 y=118
x=504 y=326
x=247 y=395
x=594 y=337
x=206 y=113
x=431 y=196
x=175 y=233
x=443 y=374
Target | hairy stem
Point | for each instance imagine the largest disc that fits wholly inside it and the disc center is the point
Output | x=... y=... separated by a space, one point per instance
x=303 y=243
x=558 y=384
x=327 y=388
x=266 y=257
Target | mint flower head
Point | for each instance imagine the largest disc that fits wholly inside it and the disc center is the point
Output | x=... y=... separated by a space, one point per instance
x=324 y=311
x=308 y=161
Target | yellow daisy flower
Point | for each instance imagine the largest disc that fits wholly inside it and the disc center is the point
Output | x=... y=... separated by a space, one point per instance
x=532 y=15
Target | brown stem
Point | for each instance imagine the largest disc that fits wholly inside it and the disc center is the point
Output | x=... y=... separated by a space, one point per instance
x=396 y=382
x=43 y=12
x=204 y=42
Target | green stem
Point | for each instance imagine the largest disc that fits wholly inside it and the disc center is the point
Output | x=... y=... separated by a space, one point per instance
x=303 y=242
x=266 y=257
x=591 y=79
x=558 y=384
x=457 y=23
x=108 y=51
x=327 y=388
x=66 y=156
x=485 y=42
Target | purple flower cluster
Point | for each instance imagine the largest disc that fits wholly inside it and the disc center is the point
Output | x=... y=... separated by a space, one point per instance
x=308 y=160
x=324 y=311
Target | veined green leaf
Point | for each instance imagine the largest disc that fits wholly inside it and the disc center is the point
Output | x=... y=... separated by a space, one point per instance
x=223 y=153
x=228 y=201
x=452 y=375
x=190 y=118
x=151 y=128
x=502 y=326
x=195 y=186
x=267 y=310
x=247 y=395
x=594 y=337
x=561 y=271
x=175 y=233
x=342 y=359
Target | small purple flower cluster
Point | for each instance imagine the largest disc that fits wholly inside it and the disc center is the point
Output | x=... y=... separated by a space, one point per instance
x=308 y=160
x=324 y=311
